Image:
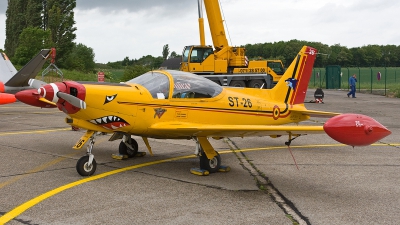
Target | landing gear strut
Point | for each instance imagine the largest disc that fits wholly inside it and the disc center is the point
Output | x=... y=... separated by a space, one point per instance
x=87 y=165
x=128 y=146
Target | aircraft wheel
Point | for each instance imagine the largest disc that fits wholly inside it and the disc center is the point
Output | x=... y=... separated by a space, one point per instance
x=124 y=150
x=256 y=84
x=83 y=168
x=237 y=83
x=212 y=165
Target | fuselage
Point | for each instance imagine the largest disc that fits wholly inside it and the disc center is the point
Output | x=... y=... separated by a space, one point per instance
x=131 y=108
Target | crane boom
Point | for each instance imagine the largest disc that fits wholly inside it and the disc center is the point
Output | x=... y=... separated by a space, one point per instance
x=216 y=24
x=225 y=64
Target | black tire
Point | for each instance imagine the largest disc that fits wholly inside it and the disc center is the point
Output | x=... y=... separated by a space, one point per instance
x=211 y=165
x=82 y=166
x=237 y=83
x=124 y=150
x=256 y=84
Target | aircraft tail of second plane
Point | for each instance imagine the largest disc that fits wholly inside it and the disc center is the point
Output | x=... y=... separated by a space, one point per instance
x=12 y=78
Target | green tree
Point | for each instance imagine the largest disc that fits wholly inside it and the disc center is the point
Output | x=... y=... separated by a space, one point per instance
x=15 y=23
x=157 y=62
x=165 y=52
x=173 y=55
x=115 y=65
x=131 y=72
x=59 y=19
x=126 y=61
x=33 y=14
x=81 y=58
x=373 y=54
x=150 y=61
x=31 y=41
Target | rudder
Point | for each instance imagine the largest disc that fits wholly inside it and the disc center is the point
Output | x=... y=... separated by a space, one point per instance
x=292 y=87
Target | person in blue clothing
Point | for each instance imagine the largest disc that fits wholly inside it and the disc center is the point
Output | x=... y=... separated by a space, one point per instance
x=352 y=82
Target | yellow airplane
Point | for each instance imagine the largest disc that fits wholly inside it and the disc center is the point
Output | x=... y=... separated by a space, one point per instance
x=181 y=105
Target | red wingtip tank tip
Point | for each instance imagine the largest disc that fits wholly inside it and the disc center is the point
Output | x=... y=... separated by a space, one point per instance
x=355 y=129
x=7 y=98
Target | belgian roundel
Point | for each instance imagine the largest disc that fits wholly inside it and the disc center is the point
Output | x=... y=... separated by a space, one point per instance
x=276 y=112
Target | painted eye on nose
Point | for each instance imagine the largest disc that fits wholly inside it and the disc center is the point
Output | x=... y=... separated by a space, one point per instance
x=109 y=98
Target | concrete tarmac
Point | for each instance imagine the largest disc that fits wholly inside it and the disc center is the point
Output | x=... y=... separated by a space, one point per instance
x=335 y=184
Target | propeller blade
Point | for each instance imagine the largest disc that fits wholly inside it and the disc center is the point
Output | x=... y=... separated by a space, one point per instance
x=72 y=100
x=36 y=83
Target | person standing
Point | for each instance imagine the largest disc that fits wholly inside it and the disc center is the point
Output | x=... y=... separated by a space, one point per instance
x=352 y=82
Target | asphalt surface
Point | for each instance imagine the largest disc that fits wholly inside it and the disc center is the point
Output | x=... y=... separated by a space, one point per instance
x=335 y=184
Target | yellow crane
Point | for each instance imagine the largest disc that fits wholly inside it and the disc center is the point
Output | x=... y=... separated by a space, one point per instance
x=225 y=64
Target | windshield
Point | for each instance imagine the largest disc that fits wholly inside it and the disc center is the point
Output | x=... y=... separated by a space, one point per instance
x=276 y=67
x=156 y=83
x=185 y=54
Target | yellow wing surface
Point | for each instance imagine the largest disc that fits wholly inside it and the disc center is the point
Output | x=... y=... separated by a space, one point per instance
x=175 y=129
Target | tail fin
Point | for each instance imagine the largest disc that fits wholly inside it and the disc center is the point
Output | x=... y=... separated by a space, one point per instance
x=7 y=69
x=30 y=70
x=292 y=87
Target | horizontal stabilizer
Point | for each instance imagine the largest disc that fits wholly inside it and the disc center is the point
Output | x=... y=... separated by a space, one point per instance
x=315 y=113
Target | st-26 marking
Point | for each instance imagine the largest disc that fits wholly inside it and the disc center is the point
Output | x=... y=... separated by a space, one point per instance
x=245 y=102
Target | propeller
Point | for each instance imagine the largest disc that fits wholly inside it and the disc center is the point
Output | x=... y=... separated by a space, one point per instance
x=36 y=83
x=72 y=100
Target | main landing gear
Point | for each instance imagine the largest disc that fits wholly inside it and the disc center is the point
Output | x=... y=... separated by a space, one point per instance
x=128 y=146
x=210 y=160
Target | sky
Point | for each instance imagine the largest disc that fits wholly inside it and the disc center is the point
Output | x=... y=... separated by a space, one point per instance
x=135 y=28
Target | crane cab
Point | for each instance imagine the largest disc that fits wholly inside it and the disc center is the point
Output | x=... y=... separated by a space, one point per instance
x=201 y=60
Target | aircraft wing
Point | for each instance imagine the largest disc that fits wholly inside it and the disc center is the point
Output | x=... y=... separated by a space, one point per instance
x=174 y=129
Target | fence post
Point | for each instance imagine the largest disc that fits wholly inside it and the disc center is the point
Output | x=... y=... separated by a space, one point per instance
x=371 y=80
x=314 y=77
x=385 y=80
x=320 y=75
x=348 y=77
x=359 y=79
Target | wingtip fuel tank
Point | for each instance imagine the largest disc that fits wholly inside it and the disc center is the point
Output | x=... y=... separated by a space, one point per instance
x=355 y=129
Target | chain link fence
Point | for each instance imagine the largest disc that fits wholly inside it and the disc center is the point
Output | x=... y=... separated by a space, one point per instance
x=376 y=80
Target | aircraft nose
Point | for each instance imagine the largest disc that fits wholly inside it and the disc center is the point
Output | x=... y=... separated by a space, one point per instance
x=355 y=129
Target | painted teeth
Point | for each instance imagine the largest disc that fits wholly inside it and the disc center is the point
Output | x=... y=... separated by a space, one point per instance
x=107 y=119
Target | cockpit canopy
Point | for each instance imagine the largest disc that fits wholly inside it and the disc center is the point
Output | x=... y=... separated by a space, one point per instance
x=185 y=85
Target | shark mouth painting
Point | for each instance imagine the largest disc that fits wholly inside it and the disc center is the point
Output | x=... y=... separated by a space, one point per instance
x=110 y=122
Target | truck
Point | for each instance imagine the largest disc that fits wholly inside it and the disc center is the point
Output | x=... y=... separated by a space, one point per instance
x=224 y=64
